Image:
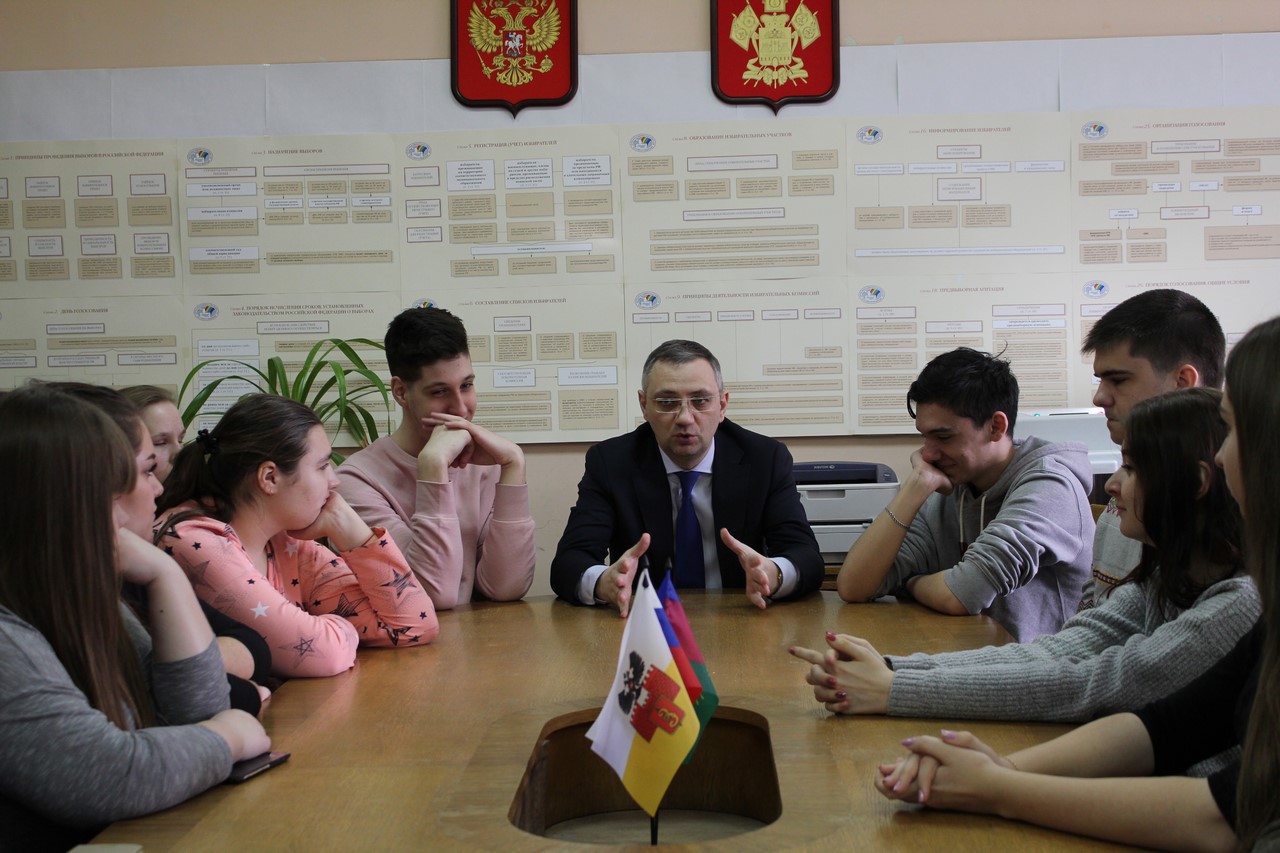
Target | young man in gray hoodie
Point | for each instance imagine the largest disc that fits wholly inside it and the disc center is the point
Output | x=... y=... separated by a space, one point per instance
x=982 y=523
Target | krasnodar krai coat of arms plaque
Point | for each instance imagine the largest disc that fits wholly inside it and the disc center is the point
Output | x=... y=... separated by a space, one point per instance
x=514 y=53
x=775 y=52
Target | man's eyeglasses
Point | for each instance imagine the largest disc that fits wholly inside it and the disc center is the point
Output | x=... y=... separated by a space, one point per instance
x=672 y=405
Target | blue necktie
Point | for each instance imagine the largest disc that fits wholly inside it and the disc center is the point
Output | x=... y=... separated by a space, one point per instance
x=690 y=570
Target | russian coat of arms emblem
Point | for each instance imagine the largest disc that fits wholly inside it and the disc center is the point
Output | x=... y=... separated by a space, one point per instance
x=514 y=53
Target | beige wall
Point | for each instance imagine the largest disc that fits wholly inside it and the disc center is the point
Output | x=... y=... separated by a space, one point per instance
x=65 y=34
x=43 y=34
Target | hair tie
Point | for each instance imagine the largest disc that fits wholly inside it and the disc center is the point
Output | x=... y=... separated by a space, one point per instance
x=207 y=441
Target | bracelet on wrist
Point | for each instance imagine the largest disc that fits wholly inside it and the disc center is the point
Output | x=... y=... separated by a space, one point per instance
x=897 y=520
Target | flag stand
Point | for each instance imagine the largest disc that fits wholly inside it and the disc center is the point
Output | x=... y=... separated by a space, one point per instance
x=662 y=698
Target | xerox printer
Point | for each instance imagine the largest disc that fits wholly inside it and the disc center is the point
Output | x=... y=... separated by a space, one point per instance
x=841 y=500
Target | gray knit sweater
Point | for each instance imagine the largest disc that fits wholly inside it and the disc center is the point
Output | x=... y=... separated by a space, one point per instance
x=66 y=770
x=1115 y=657
x=1018 y=552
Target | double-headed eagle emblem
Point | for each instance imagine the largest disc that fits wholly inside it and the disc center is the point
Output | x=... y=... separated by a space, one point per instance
x=513 y=33
x=775 y=37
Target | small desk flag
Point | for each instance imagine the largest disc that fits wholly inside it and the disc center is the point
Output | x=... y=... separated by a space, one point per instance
x=647 y=725
x=688 y=657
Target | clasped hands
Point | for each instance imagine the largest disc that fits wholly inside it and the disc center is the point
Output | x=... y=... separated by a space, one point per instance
x=952 y=771
x=614 y=584
x=456 y=442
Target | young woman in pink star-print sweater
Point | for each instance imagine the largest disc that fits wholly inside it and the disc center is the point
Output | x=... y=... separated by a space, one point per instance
x=241 y=513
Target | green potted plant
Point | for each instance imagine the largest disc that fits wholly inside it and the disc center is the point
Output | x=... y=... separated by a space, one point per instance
x=326 y=381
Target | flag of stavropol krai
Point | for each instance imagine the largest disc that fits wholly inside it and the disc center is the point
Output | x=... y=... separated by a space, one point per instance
x=647 y=725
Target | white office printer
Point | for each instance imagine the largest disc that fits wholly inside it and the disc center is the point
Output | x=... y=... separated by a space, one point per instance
x=841 y=500
x=1088 y=426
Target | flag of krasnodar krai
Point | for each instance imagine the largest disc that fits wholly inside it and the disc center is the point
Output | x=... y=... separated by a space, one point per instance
x=647 y=725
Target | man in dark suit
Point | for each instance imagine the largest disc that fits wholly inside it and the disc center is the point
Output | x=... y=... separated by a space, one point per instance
x=750 y=524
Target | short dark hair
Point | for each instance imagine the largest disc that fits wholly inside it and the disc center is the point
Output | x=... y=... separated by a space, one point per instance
x=678 y=351
x=1166 y=327
x=974 y=385
x=418 y=337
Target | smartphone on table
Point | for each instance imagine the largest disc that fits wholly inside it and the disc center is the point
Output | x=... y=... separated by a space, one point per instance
x=244 y=770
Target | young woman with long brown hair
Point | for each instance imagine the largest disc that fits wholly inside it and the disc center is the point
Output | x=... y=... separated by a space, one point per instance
x=99 y=720
x=244 y=653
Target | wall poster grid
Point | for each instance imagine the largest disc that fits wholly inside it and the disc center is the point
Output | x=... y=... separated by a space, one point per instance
x=824 y=260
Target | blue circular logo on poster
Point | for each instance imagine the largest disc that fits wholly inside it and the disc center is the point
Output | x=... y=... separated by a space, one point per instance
x=425 y=303
x=206 y=311
x=1094 y=130
x=648 y=300
x=199 y=156
x=1095 y=289
x=871 y=294
x=643 y=142
x=417 y=150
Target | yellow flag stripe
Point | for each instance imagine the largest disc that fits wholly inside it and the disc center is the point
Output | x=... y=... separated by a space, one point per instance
x=652 y=764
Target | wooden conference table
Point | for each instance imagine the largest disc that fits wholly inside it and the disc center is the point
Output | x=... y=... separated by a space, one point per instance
x=425 y=748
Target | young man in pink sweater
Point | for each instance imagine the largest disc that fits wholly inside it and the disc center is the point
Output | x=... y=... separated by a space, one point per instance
x=450 y=492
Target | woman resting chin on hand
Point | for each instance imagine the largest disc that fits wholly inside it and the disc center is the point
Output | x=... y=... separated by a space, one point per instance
x=241 y=513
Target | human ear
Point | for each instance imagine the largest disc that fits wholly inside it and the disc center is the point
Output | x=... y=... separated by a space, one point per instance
x=1186 y=376
x=998 y=426
x=399 y=391
x=268 y=478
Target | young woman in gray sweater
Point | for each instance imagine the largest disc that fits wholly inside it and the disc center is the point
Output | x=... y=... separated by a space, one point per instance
x=1184 y=607
x=99 y=719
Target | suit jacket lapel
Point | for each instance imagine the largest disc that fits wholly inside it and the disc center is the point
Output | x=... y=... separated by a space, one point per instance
x=653 y=496
x=730 y=482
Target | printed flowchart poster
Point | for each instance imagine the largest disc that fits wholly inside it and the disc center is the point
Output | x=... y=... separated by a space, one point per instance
x=903 y=323
x=284 y=215
x=517 y=208
x=550 y=365
x=1240 y=299
x=234 y=336
x=1176 y=189
x=745 y=200
x=783 y=347
x=88 y=219
x=117 y=341
x=960 y=194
